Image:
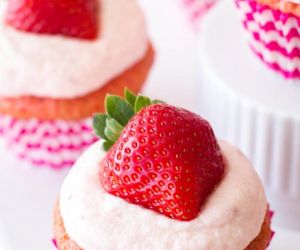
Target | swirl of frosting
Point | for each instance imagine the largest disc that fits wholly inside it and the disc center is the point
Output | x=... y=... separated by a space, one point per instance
x=95 y=220
x=61 y=67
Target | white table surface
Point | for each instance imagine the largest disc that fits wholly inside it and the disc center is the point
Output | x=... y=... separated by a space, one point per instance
x=28 y=194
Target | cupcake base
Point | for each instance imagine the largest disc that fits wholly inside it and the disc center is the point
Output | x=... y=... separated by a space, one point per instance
x=64 y=242
x=81 y=107
x=54 y=132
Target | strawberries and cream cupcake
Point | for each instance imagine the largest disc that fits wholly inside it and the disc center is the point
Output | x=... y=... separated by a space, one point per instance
x=159 y=179
x=274 y=31
x=58 y=59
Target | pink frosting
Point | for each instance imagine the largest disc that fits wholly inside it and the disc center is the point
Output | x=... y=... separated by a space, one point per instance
x=60 y=67
x=231 y=218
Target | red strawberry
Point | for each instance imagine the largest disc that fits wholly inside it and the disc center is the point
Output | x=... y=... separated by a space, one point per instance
x=166 y=159
x=74 y=18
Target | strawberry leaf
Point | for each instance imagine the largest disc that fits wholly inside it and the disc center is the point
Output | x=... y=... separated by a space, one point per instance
x=107 y=145
x=118 y=109
x=156 y=101
x=99 y=124
x=129 y=97
x=113 y=129
x=141 y=102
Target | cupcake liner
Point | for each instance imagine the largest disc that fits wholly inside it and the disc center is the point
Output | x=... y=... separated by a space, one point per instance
x=196 y=9
x=274 y=36
x=54 y=243
x=271 y=214
x=55 y=144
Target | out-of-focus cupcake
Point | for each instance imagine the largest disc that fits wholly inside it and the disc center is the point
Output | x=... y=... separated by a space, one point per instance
x=196 y=9
x=274 y=29
x=58 y=59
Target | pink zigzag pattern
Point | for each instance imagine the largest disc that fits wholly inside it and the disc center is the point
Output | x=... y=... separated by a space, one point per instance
x=276 y=47
x=282 y=32
x=55 y=144
x=275 y=66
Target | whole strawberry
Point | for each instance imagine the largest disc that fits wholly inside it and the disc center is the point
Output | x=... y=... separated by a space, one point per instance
x=160 y=157
x=75 y=18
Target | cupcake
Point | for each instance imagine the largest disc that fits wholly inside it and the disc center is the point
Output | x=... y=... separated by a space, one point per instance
x=58 y=59
x=159 y=179
x=274 y=31
x=196 y=9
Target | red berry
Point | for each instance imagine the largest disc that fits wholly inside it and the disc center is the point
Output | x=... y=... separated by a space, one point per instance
x=166 y=159
x=74 y=18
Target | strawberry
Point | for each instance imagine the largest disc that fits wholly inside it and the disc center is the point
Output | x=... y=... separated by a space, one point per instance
x=73 y=18
x=160 y=157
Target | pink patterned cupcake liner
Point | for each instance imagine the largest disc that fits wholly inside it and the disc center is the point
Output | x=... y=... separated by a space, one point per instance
x=274 y=36
x=55 y=144
x=196 y=9
x=271 y=214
